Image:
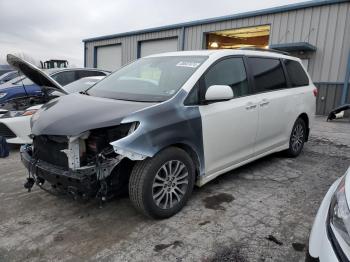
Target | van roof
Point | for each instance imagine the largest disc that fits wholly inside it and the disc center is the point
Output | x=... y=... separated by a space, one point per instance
x=225 y=52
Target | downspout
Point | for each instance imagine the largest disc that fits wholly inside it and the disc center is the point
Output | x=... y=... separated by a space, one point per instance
x=346 y=83
x=95 y=57
x=138 y=50
x=183 y=38
x=84 y=54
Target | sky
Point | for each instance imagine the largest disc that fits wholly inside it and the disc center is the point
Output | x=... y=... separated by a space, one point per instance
x=54 y=29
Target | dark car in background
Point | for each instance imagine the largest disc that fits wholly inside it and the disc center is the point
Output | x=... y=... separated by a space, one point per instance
x=22 y=92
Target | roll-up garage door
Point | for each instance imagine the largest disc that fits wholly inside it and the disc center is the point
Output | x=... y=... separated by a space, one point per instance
x=158 y=46
x=109 y=57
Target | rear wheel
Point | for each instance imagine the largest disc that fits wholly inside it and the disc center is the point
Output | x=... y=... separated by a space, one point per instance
x=160 y=186
x=297 y=138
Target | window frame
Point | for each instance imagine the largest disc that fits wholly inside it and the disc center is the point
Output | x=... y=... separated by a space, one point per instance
x=201 y=82
x=250 y=78
x=288 y=84
x=287 y=74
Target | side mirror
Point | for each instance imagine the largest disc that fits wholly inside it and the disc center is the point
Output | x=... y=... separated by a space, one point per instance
x=219 y=93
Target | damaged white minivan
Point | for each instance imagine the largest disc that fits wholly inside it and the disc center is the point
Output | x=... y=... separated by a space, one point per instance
x=166 y=122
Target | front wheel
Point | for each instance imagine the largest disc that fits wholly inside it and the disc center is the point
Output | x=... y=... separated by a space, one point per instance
x=160 y=186
x=297 y=138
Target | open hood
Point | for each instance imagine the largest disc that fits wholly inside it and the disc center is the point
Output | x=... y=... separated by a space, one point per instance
x=38 y=76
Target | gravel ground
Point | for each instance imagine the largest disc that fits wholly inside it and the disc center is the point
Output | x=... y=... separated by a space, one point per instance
x=260 y=212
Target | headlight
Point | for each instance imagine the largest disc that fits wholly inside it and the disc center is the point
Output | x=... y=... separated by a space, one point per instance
x=2 y=95
x=29 y=112
x=10 y=114
x=339 y=214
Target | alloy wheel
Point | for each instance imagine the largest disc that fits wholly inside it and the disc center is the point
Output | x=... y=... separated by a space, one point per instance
x=297 y=138
x=170 y=184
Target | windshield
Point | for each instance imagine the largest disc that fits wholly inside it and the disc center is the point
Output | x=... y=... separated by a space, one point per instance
x=17 y=79
x=8 y=75
x=82 y=84
x=149 y=79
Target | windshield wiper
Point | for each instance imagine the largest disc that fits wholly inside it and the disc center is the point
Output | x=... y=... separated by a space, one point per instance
x=84 y=93
x=141 y=101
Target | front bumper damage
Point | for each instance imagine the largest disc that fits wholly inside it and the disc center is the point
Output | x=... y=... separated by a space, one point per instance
x=83 y=182
x=84 y=165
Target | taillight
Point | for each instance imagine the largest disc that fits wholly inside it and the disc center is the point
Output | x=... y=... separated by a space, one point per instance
x=315 y=91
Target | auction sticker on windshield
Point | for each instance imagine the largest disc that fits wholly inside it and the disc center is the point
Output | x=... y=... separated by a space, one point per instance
x=188 y=64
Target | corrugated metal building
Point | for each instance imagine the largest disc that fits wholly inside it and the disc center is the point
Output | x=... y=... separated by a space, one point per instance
x=316 y=31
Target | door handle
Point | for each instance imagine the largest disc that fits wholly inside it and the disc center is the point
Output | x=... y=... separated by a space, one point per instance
x=264 y=102
x=250 y=106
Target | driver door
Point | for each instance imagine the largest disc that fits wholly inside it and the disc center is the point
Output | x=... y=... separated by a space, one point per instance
x=229 y=127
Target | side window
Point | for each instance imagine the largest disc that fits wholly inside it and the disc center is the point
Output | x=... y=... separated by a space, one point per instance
x=66 y=77
x=229 y=72
x=86 y=73
x=268 y=74
x=296 y=73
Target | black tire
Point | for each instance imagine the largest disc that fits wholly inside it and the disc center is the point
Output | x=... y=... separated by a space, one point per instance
x=309 y=258
x=143 y=183
x=295 y=148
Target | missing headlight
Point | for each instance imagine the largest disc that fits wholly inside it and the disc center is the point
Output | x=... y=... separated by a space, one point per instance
x=99 y=139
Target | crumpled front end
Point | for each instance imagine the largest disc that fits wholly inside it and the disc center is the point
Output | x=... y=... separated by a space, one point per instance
x=83 y=166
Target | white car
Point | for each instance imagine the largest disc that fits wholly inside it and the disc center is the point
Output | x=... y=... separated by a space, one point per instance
x=330 y=234
x=168 y=121
x=15 y=125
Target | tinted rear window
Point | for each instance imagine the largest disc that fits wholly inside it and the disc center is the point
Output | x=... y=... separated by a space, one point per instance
x=86 y=73
x=268 y=74
x=296 y=73
x=65 y=77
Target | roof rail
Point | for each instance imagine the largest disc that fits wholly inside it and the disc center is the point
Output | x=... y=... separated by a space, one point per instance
x=264 y=50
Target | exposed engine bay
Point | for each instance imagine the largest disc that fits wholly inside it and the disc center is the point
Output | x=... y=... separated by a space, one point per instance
x=83 y=166
x=22 y=103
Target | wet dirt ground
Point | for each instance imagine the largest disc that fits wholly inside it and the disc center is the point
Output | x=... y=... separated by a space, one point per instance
x=260 y=212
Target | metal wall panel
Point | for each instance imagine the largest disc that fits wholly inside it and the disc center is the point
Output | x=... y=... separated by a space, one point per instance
x=322 y=26
x=129 y=44
x=326 y=27
x=329 y=97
